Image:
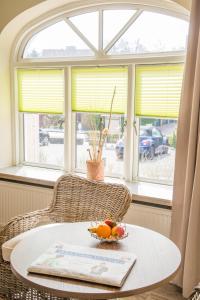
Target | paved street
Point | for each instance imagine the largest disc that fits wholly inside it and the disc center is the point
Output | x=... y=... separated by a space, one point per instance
x=161 y=168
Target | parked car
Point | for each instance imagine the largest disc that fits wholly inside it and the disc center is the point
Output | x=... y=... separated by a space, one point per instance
x=151 y=142
x=43 y=137
x=56 y=136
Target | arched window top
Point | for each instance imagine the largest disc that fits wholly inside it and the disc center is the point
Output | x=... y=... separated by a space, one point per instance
x=58 y=40
x=153 y=32
x=108 y=32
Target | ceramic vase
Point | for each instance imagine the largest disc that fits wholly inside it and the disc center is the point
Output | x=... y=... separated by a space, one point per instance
x=95 y=170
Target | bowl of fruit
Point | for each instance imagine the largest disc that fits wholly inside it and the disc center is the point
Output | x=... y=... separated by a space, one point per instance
x=108 y=231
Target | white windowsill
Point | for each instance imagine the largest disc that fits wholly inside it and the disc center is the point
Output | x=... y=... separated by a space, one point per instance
x=141 y=191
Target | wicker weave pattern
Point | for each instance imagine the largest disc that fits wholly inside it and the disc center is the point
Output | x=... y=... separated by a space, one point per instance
x=196 y=296
x=75 y=199
x=196 y=293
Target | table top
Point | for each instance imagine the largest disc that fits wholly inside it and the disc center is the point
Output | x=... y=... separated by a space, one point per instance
x=158 y=260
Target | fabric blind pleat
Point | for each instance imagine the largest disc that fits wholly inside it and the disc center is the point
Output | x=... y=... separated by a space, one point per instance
x=158 y=90
x=41 y=91
x=92 y=89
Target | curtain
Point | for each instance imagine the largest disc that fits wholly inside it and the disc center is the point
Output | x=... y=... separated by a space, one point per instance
x=185 y=229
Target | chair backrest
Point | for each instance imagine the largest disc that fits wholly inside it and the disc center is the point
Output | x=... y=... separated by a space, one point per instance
x=79 y=199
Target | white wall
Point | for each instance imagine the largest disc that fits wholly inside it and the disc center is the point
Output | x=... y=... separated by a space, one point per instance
x=5 y=113
x=10 y=9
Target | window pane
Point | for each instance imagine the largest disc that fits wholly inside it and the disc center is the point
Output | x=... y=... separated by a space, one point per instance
x=87 y=137
x=44 y=139
x=88 y=25
x=113 y=21
x=157 y=146
x=153 y=32
x=58 y=40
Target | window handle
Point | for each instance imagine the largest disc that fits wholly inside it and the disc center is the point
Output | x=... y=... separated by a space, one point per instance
x=135 y=127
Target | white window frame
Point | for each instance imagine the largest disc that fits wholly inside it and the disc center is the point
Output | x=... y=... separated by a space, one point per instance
x=101 y=58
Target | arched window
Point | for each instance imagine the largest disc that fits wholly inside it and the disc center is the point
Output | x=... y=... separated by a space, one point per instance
x=76 y=62
x=109 y=31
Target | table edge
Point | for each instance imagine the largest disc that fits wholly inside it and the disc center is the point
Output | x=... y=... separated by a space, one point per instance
x=85 y=296
x=103 y=295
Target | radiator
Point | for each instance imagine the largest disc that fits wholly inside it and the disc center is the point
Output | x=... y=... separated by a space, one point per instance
x=154 y=218
x=18 y=199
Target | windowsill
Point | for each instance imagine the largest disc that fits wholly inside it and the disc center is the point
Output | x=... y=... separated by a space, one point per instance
x=142 y=192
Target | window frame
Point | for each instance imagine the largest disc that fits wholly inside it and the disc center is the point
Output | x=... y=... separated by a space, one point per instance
x=131 y=159
x=100 y=54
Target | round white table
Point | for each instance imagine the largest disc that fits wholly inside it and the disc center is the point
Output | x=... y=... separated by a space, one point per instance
x=158 y=260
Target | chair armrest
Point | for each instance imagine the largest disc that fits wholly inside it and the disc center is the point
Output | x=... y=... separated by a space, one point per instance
x=21 y=224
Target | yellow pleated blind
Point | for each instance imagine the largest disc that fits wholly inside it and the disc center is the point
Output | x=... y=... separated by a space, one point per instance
x=158 y=90
x=41 y=91
x=92 y=89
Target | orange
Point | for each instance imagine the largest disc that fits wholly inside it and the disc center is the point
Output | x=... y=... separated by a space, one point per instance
x=103 y=231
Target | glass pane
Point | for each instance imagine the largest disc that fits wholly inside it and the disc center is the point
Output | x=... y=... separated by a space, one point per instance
x=58 y=40
x=113 y=21
x=157 y=147
x=44 y=139
x=153 y=32
x=87 y=137
x=88 y=25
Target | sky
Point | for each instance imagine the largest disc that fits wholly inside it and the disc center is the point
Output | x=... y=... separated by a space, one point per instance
x=151 y=28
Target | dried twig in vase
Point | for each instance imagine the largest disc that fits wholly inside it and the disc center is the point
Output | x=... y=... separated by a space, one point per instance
x=103 y=133
x=89 y=154
x=114 y=92
x=100 y=139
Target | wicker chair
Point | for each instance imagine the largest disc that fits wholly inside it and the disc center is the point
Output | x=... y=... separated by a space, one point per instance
x=196 y=293
x=75 y=199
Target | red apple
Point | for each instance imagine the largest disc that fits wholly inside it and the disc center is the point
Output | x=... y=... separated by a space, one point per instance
x=110 y=223
x=118 y=231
